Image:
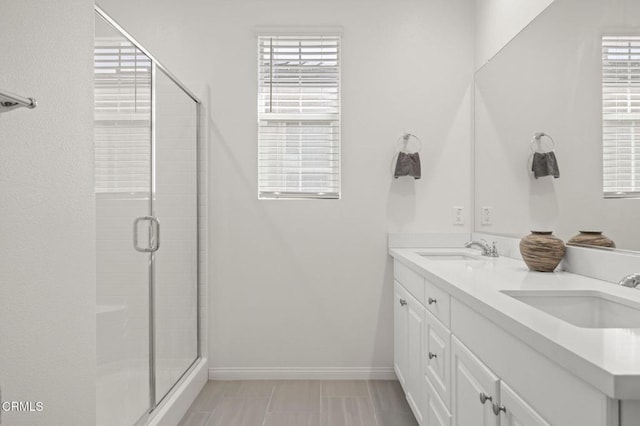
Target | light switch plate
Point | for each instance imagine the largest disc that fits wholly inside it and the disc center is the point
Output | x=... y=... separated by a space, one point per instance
x=486 y=215
x=458 y=215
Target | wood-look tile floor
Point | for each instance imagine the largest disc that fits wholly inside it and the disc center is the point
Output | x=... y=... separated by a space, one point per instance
x=300 y=403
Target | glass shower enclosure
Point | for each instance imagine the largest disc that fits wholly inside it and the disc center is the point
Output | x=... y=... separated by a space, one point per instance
x=146 y=185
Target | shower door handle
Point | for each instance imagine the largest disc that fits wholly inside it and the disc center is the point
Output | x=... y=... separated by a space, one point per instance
x=154 y=236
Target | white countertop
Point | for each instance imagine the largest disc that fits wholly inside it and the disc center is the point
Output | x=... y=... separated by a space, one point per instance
x=607 y=358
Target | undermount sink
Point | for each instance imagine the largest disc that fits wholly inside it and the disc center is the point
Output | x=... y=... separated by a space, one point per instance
x=586 y=309
x=449 y=256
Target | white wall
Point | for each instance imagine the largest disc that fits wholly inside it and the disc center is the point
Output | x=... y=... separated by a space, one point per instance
x=498 y=21
x=308 y=284
x=47 y=224
x=557 y=90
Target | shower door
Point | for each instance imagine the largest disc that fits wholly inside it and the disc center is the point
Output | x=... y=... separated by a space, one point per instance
x=146 y=151
x=175 y=203
x=123 y=188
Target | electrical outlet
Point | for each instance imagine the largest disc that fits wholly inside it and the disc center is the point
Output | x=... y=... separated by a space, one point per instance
x=486 y=215
x=458 y=217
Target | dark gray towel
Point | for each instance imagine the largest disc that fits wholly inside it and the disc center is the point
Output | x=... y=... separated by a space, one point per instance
x=545 y=164
x=408 y=165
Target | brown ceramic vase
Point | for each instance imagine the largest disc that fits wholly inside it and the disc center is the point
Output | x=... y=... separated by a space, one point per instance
x=542 y=251
x=591 y=238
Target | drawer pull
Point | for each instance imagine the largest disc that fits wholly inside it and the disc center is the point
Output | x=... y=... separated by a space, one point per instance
x=497 y=408
x=484 y=398
x=432 y=355
x=431 y=301
x=403 y=302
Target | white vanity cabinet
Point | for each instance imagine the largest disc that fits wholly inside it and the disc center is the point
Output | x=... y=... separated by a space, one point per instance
x=437 y=341
x=422 y=346
x=470 y=353
x=475 y=388
x=445 y=383
x=481 y=398
x=408 y=342
x=400 y=332
x=437 y=414
x=515 y=412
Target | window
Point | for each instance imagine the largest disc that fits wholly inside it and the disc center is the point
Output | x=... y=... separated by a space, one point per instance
x=122 y=127
x=298 y=117
x=621 y=116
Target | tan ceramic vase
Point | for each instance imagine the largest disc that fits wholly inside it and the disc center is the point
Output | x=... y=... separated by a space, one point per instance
x=542 y=251
x=591 y=238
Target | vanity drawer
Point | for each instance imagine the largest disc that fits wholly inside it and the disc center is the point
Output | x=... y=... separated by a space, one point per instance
x=410 y=280
x=436 y=411
x=437 y=356
x=437 y=302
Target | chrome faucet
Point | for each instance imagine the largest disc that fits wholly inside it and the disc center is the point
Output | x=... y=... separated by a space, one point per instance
x=489 y=250
x=632 y=280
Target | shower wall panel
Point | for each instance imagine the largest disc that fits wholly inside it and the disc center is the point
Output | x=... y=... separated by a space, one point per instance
x=175 y=204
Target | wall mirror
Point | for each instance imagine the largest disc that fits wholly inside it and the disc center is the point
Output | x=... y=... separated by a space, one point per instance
x=549 y=79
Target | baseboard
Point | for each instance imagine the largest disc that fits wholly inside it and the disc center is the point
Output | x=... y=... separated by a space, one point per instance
x=355 y=373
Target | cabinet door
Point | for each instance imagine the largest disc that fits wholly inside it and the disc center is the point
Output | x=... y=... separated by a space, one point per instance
x=400 y=328
x=415 y=334
x=436 y=413
x=515 y=411
x=471 y=380
x=437 y=357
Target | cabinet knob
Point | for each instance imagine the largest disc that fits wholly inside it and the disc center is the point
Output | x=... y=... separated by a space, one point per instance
x=497 y=408
x=431 y=301
x=484 y=397
x=432 y=355
x=403 y=302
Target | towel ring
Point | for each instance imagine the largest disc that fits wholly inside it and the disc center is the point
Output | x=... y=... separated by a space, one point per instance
x=405 y=138
x=537 y=137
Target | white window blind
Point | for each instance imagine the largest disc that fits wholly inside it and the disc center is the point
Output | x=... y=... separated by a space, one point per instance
x=122 y=114
x=621 y=116
x=298 y=117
